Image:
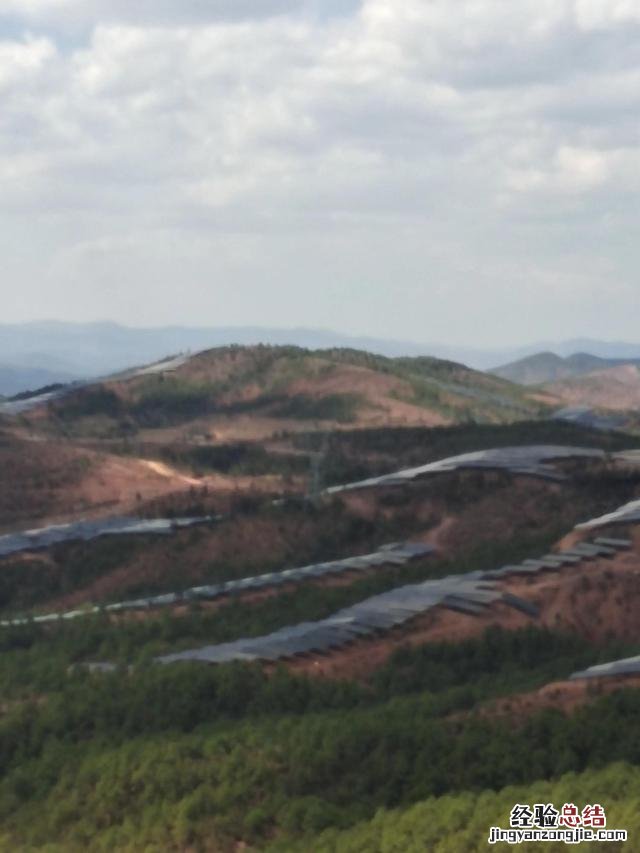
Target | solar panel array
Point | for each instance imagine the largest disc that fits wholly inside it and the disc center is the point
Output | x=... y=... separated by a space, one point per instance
x=468 y=593
x=626 y=666
x=627 y=514
x=45 y=537
x=20 y=407
x=398 y=553
x=482 y=395
x=598 y=549
x=522 y=460
x=394 y=554
x=529 y=460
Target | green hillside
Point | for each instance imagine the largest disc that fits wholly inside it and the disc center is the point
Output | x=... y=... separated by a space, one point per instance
x=337 y=386
x=545 y=367
x=458 y=822
x=197 y=758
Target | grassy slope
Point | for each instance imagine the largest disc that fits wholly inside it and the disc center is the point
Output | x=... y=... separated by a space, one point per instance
x=339 y=386
x=37 y=477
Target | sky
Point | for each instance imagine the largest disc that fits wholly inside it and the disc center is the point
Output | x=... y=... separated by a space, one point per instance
x=462 y=172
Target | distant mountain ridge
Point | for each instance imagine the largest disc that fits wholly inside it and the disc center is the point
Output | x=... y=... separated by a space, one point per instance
x=14 y=380
x=86 y=350
x=548 y=367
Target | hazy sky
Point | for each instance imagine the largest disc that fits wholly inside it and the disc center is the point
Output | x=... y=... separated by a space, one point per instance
x=438 y=170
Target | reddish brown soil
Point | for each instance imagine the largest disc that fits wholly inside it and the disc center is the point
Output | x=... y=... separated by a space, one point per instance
x=267 y=542
x=257 y=543
x=382 y=392
x=314 y=377
x=563 y=696
x=616 y=388
x=597 y=599
x=362 y=657
x=48 y=482
x=497 y=507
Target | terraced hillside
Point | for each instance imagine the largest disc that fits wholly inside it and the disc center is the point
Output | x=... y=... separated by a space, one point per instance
x=485 y=500
x=365 y=622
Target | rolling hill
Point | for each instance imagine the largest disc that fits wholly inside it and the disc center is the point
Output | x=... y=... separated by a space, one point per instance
x=324 y=606
x=256 y=392
x=616 y=388
x=546 y=367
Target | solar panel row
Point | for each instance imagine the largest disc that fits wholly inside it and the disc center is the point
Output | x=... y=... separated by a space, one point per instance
x=469 y=593
x=523 y=460
x=397 y=554
x=528 y=460
x=627 y=514
x=626 y=666
x=45 y=537
x=598 y=549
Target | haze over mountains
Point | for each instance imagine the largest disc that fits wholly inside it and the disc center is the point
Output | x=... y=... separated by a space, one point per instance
x=545 y=367
x=616 y=388
x=40 y=353
x=14 y=379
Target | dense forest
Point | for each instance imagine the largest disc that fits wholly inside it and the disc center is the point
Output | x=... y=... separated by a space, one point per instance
x=228 y=753
x=456 y=822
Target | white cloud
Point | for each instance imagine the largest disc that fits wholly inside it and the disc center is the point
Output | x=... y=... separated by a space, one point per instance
x=599 y=14
x=23 y=61
x=475 y=140
x=76 y=16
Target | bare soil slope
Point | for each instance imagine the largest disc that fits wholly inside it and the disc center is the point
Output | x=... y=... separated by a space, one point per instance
x=563 y=696
x=598 y=599
x=51 y=481
x=617 y=388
